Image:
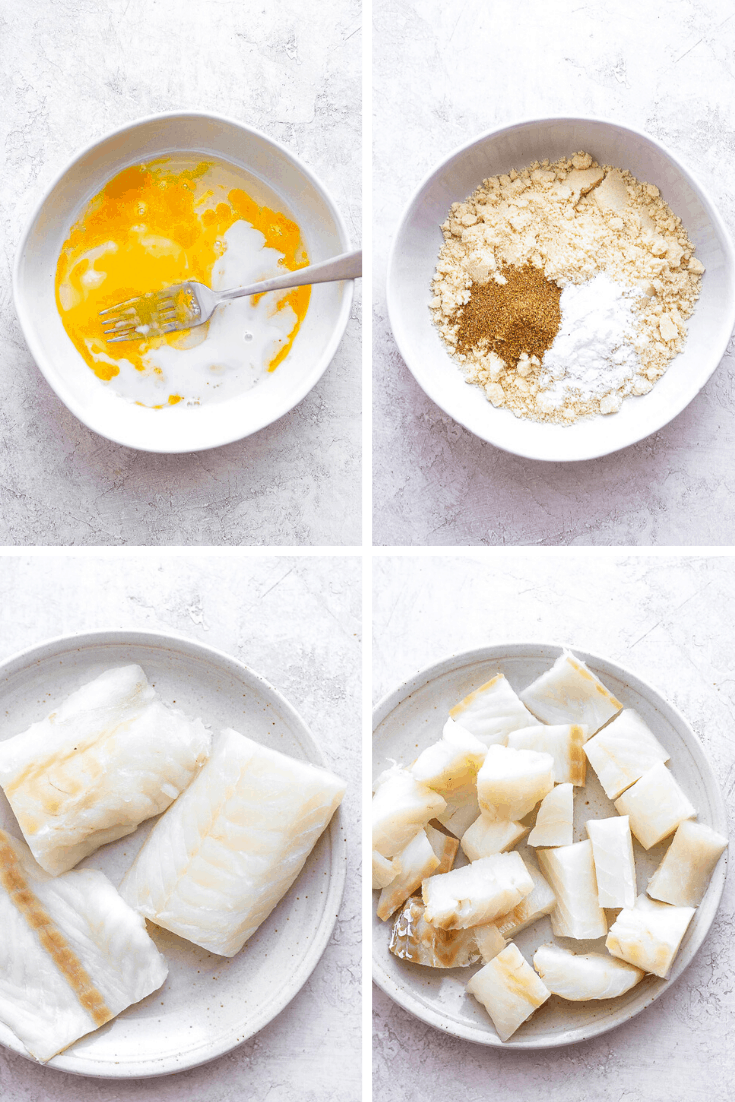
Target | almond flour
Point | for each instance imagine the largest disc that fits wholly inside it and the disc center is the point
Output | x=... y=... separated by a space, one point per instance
x=572 y=220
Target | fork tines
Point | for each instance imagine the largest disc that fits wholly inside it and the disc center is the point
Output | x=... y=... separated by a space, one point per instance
x=140 y=317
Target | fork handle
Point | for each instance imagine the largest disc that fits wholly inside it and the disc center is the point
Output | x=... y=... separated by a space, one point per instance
x=346 y=266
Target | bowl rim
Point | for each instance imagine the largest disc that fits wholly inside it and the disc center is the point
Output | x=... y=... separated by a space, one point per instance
x=47 y=369
x=205 y=1051
x=488 y=653
x=435 y=393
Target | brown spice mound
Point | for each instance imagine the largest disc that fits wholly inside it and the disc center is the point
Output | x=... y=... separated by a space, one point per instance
x=521 y=315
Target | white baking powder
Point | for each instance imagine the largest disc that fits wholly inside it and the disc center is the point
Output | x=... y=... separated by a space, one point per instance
x=592 y=357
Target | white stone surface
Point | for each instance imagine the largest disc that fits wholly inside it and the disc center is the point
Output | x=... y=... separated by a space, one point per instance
x=296 y=621
x=671 y=620
x=445 y=73
x=71 y=71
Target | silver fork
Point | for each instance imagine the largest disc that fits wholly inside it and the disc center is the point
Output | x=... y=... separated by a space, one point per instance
x=185 y=305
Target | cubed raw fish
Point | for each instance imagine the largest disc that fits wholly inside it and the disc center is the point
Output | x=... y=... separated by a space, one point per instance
x=509 y=989
x=684 y=874
x=487 y=836
x=570 y=871
x=582 y=976
x=402 y=806
x=511 y=782
x=555 y=818
x=384 y=871
x=656 y=805
x=564 y=741
x=417 y=861
x=452 y=762
x=413 y=938
x=570 y=693
x=612 y=850
x=492 y=711
x=649 y=934
x=623 y=751
x=477 y=893
x=541 y=901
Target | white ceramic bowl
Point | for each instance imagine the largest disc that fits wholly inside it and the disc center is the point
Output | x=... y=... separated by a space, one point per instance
x=180 y=429
x=411 y=718
x=208 y=1003
x=419 y=238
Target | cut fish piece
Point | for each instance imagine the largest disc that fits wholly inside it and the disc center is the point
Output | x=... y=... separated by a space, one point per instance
x=511 y=782
x=656 y=805
x=612 y=850
x=402 y=806
x=563 y=741
x=570 y=871
x=623 y=752
x=413 y=938
x=492 y=712
x=489 y=940
x=684 y=874
x=73 y=955
x=509 y=989
x=452 y=762
x=462 y=809
x=384 y=871
x=477 y=893
x=649 y=934
x=487 y=836
x=111 y=755
x=541 y=901
x=444 y=847
x=582 y=976
x=417 y=861
x=570 y=693
x=221 y=858
x=555 y=818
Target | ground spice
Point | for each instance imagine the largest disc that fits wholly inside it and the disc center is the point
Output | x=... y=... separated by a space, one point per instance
x=521 y=315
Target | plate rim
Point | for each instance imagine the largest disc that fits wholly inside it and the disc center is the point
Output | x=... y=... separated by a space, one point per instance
x=203 y=1052
x=489 y=652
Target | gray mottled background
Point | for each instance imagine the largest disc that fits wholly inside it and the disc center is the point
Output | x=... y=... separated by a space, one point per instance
x=70 y=70
x=447 y=72
x=296 y=621
x=671 y=620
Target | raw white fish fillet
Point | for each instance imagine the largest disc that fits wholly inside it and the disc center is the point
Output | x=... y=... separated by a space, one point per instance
x=489 y=940
x=649 y=934
x=445 y=847
x=511 y=782
x=73 y=955
x=582 y=976
x=656 y=805
x=451 y=763
x=684 y=874
x=509 y=989
x=541 y=901
x=384 y=871
x=111 y=755
x=477 y=893
x=492 y=712
x=462 y=809
x=221 y=858
x=623 y=751
x=417 y=861
x=413 y=938
x=555 y=818
x=487 y=836
x=570 y=693
x=612 y=850
x=402 y=806
x=570 y=871
x=563 y=741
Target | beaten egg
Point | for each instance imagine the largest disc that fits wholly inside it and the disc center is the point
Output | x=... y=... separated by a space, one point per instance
x=162 y=223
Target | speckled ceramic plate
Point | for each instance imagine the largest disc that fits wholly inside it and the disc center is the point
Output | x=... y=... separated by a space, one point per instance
x=208 y=1004
x=411 y=718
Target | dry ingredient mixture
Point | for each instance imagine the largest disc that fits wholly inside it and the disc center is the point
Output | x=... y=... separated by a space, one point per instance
x=564 y=288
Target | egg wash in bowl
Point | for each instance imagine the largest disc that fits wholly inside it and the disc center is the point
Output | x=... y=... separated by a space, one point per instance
x=168 y=221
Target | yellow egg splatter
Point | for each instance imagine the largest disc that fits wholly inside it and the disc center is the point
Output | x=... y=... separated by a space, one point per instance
x=153 y=225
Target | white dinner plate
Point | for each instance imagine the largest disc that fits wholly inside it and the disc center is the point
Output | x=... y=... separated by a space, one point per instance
x=208 y=1004
x=411 y=718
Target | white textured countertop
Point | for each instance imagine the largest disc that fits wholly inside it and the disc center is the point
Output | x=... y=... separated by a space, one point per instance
x=296 y=621
x=70 y=72
x=673 y=623
x=445 y=73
